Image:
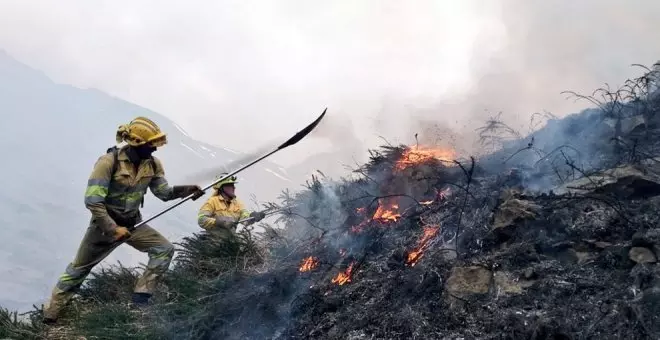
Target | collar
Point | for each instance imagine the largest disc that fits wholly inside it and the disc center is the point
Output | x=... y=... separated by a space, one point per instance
x=223 y=199
x=122 y=155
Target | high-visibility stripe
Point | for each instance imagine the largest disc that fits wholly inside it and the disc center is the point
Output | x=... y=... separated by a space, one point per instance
x=102 y=182
x=96 y=190
x=95 y=194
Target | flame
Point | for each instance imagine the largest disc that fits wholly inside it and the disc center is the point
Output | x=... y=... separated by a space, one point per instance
x=422 y=245
x=345 y=276
x=308 y=264
x=358 y=228
x=420 y=154
x=387 y=212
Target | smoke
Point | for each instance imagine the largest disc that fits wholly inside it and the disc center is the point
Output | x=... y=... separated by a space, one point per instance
x=521 y=67
x=209 y=174
x=383 y=69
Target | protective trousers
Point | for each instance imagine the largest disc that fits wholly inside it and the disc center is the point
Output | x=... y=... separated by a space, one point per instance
x=96 y=246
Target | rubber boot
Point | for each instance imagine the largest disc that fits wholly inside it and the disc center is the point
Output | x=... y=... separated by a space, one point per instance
x=140 y=300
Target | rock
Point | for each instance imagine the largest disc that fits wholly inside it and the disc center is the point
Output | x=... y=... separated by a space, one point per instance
x=504 y=284
x=511 y=212
x=641 y=255
x=602 y=245
x=529 y=274
x=648 y=239
x=469 y=281
x=627 y=182
x=585 y=256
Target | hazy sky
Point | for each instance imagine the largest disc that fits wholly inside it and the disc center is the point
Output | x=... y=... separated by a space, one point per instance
x=239 y=73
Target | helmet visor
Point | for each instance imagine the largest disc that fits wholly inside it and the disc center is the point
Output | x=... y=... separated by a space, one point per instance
x=159 y=141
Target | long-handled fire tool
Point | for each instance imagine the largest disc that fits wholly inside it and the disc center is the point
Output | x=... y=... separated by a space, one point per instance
x=293 y=140
x=269 y=212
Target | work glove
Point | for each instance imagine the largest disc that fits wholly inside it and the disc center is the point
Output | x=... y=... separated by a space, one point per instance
x=182 y=191
x=257 y=216
x=121 y=233
x=226 y=222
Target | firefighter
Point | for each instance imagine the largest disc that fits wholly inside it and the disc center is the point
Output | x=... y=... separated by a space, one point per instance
x=222 y=211
x=115 y=192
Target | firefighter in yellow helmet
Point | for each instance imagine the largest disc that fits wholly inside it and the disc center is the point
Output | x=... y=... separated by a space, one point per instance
x=115 y=192
x=222 y=211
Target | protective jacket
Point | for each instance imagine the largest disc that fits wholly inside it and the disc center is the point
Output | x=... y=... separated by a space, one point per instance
x=115 y=199
x=218 y=212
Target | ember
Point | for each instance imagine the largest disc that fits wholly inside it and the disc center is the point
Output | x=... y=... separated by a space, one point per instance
x=308 y=264
x=420 y=154
x=344 y=277
x=442 y=194
x=422 y=245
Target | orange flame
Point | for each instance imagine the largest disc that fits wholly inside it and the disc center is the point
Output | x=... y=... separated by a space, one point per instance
x=420 y=154
x=387 y=211
x=422 y=245
x=308 y=264
x=345 y=276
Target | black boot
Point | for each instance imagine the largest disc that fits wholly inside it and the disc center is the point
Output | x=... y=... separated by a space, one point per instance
x=140 y=300
x=49 y=321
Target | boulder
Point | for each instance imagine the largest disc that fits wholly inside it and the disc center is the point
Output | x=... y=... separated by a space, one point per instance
x=511 y=212
x=648 y=239
x=465 y=282
x=641 y=255
x=626 y=182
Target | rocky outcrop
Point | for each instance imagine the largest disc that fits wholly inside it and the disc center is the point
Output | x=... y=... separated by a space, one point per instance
x=626 y=182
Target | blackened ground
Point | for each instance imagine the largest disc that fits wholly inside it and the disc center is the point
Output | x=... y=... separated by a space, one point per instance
x=569 y=288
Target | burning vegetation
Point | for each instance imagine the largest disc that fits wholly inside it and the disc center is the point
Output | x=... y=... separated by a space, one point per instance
x=417 y=154
x=308 y=264
x=525 y=243
x=423 y=243
x=345 y=276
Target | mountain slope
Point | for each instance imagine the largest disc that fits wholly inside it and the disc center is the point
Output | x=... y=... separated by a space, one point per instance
x=51 y=135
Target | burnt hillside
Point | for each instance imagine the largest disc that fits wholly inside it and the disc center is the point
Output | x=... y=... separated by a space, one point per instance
x=553 y=236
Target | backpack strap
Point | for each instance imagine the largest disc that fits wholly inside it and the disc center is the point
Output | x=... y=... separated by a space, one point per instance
x=115 y=161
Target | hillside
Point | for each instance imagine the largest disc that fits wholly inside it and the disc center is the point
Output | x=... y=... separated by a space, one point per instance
x=51 y=136
x=553 y=236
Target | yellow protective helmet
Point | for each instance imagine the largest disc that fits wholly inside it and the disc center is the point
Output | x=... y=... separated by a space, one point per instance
x=139 y=131
x=228 y=180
